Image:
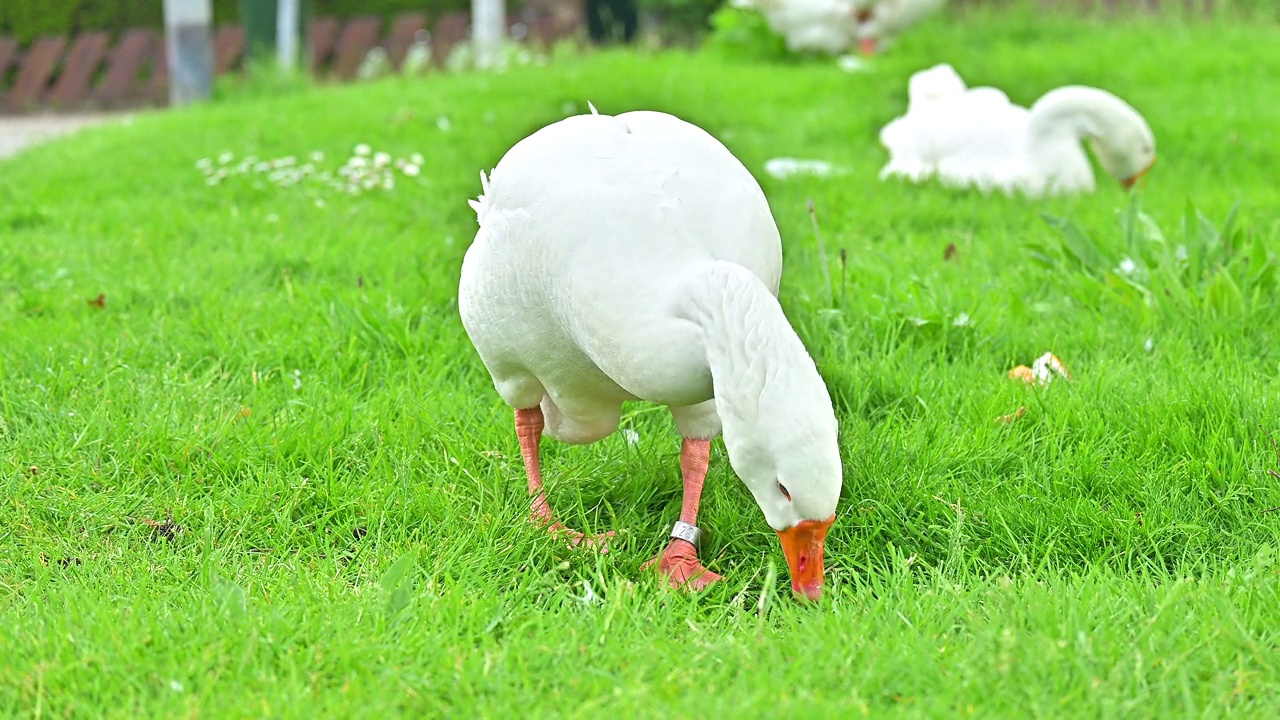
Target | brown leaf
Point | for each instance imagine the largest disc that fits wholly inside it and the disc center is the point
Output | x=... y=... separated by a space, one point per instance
x=1023 y=373
x=98 y=302
x=1008 y=419
x=950 y=252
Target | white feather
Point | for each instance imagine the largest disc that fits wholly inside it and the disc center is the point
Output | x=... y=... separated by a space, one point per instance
x=479 y=204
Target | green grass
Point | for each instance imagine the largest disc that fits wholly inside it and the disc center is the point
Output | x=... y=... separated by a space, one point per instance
x=356 y=545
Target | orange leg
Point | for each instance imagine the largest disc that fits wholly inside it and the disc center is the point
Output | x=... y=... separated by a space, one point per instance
x=679 y=561
x=529 y=425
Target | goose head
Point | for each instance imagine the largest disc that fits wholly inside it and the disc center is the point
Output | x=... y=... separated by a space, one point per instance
x=1127 y=154
x=1122 y=141
x=794 y=473
x=778 y=423
x=1119 y=136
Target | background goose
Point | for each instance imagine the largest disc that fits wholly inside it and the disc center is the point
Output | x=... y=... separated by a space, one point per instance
x=881 y=21
x=825 y=26
x=977 y=137
x=635 y=258
x=835 y=26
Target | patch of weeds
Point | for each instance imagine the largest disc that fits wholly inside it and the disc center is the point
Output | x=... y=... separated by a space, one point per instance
x=364 y=171
x=263 y=78
x=509 y=54
x=1276 y=448
x=24 y=218
x=745 y=33
x=1204 y=269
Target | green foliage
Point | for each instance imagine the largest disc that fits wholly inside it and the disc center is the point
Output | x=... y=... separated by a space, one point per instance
x=744 y=33
x=387 y=8
x=30 y=19
x=1223 y=271
x=681 y=20
x=397 y=582
x=264 y=79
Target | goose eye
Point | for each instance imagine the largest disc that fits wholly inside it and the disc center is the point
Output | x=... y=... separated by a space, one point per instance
x=784 y=492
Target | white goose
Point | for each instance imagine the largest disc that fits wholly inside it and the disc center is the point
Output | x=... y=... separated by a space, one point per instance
x=880 y=21
x=634 y=257
x=834 y=26
x=824 y=26
x=976 y=137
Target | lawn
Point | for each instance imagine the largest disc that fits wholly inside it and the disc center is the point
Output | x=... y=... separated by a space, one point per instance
x=264 y=474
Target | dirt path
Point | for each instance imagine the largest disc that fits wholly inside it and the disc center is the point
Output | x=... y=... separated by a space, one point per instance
x=19 y=132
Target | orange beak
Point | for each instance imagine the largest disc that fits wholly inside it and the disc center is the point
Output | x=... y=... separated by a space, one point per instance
x=803 y=544
x=1128 y=183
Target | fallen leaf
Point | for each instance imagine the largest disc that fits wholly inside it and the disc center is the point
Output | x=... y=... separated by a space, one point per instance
x=1008 y=419
x=1023 y=373
x=1041 y=371
x=98 y=302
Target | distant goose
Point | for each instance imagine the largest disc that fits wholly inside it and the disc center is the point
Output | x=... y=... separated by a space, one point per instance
x=835 y=26
x=977 y=138
x=634 y=257
x=825 y=26
x=880 y=21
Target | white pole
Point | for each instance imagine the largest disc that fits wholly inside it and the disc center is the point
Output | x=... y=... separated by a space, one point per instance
x=287 y=33
x=488 y=21
x=188 y=39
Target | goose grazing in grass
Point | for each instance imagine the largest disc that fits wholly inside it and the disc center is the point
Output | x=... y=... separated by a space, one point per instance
x=635 y=258
x=975 y=137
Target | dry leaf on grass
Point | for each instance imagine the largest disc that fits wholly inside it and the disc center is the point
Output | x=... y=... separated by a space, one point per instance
x=1008 y=419
x=1041 y=371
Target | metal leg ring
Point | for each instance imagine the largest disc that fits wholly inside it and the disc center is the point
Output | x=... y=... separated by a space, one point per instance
x=689 y=533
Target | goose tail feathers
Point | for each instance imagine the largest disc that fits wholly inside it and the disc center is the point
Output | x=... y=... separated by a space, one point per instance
x=480 y=205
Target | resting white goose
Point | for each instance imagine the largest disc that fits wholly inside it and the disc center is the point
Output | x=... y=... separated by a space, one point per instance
x=976 y=137
x=634 y=257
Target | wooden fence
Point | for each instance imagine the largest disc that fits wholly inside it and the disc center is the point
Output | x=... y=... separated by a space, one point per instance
x=93 y=70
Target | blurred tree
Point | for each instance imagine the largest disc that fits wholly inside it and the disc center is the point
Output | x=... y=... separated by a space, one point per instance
x=612 y=20
x=681 y=20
